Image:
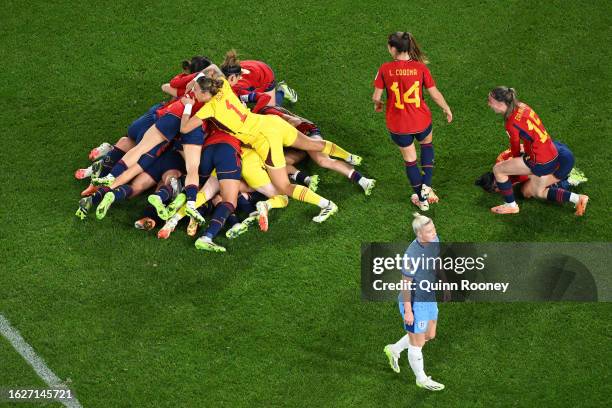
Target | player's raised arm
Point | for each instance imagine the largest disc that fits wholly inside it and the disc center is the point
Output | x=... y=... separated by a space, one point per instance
x=438 y=98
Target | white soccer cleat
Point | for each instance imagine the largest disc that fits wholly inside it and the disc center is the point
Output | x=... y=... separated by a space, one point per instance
x=81 y=174
x=368 y=186
x=423 y=205
x=393 y=358
x=326 y=212
x=100 y=151
x=262 y=214
x=430 y=385
x=425 y=191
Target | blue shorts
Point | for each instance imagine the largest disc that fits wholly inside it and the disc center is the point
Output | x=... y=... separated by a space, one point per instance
x=138 y=128
x=146 y=160
x=223 y=158
x=423 y=312
x=169 y=126
x=195 y=137
x=407 y=139
x=542 y=169
x=566 y=161
x=170 y=160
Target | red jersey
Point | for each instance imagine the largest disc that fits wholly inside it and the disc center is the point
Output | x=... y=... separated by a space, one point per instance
x=180 y=82
x=407 y=111
x=176 y=108
x=524 y=124
x=260 y=78
x=215 y=135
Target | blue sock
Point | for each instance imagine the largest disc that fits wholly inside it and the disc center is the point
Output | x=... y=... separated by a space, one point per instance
x=558 y=195
x=299 y=177
x=118 y=168
x=244 y=205
x=505 y=189
x=222 y=212
x=427 y=162
x=110 y=159
x=280 y=97
x=165 y=193
x=191 y=191
x=122 y=192
x=99 y=195
x=232 y=220
x=415 y=178
x=355 y=176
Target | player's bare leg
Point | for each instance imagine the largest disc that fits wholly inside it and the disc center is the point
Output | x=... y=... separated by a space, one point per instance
x=304 y=142
x=540 y=187
x=502 y=170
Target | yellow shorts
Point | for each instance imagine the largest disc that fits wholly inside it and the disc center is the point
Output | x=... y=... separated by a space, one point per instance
x=274 y=133
x=253 y=169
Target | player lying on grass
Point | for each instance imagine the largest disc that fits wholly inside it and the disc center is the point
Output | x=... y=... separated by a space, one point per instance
x=266 y=134
x=323 y=160
x=544 y=162
x=407 y=115
x=418 y=307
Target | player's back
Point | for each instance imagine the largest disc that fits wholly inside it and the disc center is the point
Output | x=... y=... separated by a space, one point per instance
x=404 y=82
x=538 y=144
x=258 y=77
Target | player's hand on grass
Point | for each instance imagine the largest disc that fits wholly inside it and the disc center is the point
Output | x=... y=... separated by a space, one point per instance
x=408 y=315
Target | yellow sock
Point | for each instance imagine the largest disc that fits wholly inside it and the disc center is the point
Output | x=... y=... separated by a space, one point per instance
x=200 y=199
x=302 y=193
x=333 y=150
x=278 y=201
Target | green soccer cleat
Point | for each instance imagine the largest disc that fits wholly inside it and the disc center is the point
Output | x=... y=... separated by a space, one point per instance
x=85 y=204
x=103 y=181
x=236 y=230
x=326 y=212
x=206 y=244
x=251 y=219
x=105 y=204
x=290 y=93
x=354 y=160
x=371 y=183
x=192 y=211
x=393 y=358
x=159 y=206
x=175 y=205
x=576 y=177
x=314 y=183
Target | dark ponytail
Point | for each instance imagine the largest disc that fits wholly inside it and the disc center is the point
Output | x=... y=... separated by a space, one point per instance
x=196 y=64
x=403 y=41
x=507 y=96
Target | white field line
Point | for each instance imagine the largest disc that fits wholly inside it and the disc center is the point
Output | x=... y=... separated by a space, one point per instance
x=37 y=363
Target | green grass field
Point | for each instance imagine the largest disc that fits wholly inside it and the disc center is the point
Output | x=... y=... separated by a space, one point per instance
x=133 y=321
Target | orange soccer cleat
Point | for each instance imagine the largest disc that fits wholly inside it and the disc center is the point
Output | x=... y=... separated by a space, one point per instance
x=581 y=205
x=505 y=209
x=145 y=224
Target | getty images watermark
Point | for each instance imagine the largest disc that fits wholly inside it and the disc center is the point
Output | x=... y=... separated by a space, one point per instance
x=489 y=272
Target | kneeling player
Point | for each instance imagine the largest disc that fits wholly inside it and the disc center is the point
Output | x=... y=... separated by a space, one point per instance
x=418 y=307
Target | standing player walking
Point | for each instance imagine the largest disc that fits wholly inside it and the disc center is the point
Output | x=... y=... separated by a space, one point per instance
x=417 y=306
x=408 y=116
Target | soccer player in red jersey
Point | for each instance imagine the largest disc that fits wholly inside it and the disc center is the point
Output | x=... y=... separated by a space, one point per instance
x=408 y=116
x=541 y=159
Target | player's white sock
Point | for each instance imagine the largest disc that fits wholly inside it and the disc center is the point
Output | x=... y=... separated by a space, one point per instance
x=574 y=198
x=307 y=180
x=415 y=358
x=324 y=202
x=401 y=345
x=293 y=177
x=512 y=204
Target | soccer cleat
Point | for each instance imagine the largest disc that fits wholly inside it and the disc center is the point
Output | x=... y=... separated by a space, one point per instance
x=262 y=215
x=432 y=198
x=314 y=183
x=326 y=212
x=581 y=205
x=425 y=191
x=96 y=168
x=167 y=229
x=371 y=183
x=505 y=209
x=81 y=174
x=100 y=151
x=145 y=224
x=423 y=205
x=159 y=206
x=430 y=384
x=103 y=181
x=89 y=191
x=105 y=204
x=354 y=160
x=85 y=204
x=175 y=205
x=192 y=228
x=206 y=244
x=576 y=177
x=236 y=230
x=393 y=358
x=290 y=93
x=176 y=186
x=192 y=211
x=251 y=219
